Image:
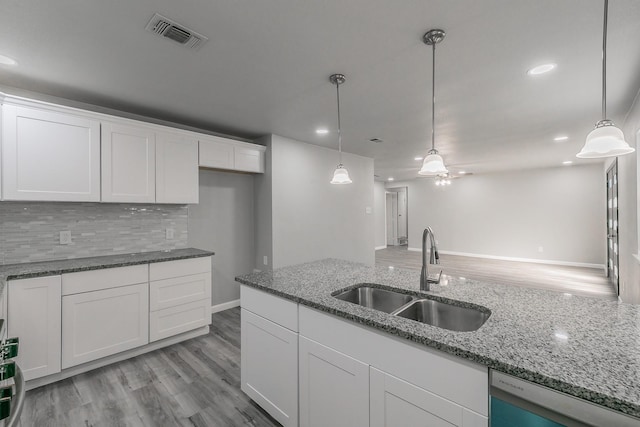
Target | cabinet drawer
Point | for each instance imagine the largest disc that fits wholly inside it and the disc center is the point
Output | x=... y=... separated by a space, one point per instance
x=179 y=290
x=95 y=280
x=101 y=323
x=278 y=310
x=182 y=267
x=182 y=318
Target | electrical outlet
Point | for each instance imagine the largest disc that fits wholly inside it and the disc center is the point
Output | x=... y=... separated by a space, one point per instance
x=368 y=210
x=540 y=249
x=265 y=260
x=169 y=233
x=65 y=237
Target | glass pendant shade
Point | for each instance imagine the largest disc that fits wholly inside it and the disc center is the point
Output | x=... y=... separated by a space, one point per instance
x=433 y=165
x=604 y=141
x=341 y=176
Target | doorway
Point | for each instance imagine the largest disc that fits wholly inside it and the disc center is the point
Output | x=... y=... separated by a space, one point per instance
x=396 y=216
x=612 y=226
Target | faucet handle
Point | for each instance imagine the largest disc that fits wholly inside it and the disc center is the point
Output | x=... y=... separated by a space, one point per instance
x=435 y=277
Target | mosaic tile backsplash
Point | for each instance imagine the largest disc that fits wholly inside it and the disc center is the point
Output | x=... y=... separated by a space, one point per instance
x=30 y=231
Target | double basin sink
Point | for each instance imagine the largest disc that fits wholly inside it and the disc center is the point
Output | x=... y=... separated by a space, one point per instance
x=418 y=308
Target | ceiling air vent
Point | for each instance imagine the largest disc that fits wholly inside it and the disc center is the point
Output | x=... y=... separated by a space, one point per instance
x=170 y=29
x=376 y=140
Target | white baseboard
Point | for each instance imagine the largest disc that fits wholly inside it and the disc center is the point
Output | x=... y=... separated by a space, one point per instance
x=506 y=258
x=381 y=247
x=85 y=367
x=225 y=306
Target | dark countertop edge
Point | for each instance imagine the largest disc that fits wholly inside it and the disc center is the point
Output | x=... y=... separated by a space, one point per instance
x=598 y=398
x=106 y=264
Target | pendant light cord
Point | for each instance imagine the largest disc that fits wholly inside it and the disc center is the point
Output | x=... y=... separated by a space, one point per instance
x=604 y=61
x=433 y=97
x=339 y=129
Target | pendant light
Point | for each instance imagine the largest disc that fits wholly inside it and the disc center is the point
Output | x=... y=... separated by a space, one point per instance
x=433 y=164
x=606 y=140
x=340 y=175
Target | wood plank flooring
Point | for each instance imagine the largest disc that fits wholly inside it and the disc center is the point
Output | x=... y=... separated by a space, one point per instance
x=194 y=383
x=590 y=282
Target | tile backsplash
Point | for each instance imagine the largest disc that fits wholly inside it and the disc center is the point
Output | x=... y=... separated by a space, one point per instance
x=30 y=231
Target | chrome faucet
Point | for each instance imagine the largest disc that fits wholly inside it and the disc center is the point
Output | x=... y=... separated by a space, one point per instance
x=434 y=258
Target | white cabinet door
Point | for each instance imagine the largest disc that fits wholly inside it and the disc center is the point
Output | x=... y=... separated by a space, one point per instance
x=395 y=402
x=128 y=164
x=334 y=388
x=248 y=159
x=176 y=169
x=100 y=323
x=34 y=317
x=49 y=155
x=269 y=367
x=216 y=153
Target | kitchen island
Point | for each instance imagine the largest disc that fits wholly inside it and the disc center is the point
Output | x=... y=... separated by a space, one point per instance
x=583 y=347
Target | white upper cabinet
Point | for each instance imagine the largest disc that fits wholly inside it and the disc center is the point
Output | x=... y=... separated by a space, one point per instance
x=176 y=168
x=248 y=159
x=128 y=164
x=49 y=155
x=224 y=153
x=216 y=152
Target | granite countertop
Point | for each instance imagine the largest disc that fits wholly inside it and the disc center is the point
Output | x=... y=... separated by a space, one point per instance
x=585 y=347
x=52 y=268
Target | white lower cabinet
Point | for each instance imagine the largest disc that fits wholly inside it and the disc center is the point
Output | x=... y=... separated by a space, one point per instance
x=395 y=402
x=101 y=323
x=269 y=367
x=334 y=388
x=34 y=317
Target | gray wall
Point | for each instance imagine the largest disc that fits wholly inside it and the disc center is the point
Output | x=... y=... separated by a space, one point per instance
x=379 y=213
x=628 y=210
x=512 y=214
x=30 y=231
x=223 y=222
x=263 y=212
x=312 y=219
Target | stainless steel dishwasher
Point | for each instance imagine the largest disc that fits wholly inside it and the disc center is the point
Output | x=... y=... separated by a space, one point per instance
x=519 y=403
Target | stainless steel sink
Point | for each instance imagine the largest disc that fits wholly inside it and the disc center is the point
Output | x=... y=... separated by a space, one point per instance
x=376 y=298
x=443 y=315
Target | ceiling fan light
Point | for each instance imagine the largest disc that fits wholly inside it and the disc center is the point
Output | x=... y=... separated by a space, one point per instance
x=433 y=165
x=604 y=141
x=341 y=175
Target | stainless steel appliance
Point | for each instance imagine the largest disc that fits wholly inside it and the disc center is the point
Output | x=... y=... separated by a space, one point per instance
x=12 y=387
x=519 y=403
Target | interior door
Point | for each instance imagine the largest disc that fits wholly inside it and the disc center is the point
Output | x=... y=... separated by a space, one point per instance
x=392 y=219
x=612 y=226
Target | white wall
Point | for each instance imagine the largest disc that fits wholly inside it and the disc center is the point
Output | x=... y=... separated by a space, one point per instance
x=512 y=214
x=628 y=210
x=379 y=214
x=223 y=222
x=312 y=219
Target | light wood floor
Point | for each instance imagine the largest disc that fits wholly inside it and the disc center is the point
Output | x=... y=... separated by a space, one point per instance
x=195 y=383
x=575 y=280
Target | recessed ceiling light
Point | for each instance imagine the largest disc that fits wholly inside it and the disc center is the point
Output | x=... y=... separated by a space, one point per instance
x=5 y=60
x=390 y=179
x=561 y=138
x=567 y=162
x=417 y=158
x=462 y=172
x=322 y=131
x=541 y=69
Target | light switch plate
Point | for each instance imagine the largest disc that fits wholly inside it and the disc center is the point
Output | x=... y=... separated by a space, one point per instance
x=169 y=234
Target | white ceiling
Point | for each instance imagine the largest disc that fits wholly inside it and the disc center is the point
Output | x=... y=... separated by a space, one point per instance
x=265 y=70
